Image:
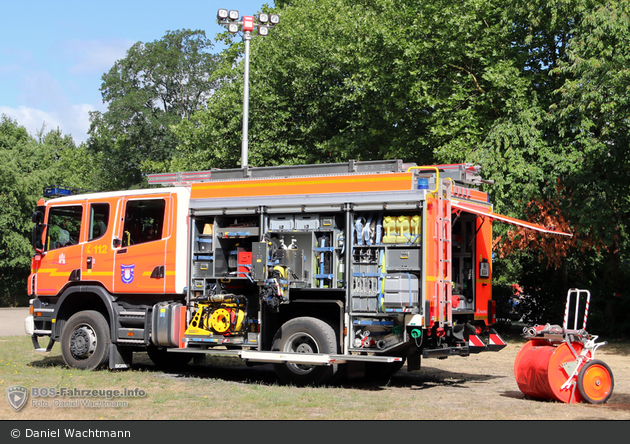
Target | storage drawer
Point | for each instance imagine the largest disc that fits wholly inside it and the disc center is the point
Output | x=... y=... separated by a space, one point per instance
x=202 y=268
x=403 y=259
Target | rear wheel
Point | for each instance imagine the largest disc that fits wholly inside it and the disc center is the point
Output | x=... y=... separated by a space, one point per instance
x=305 y=335
x=85 y=340
x=595 y=382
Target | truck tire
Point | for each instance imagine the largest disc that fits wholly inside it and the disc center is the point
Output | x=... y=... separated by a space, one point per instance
x=305 y=335
x=85 y=341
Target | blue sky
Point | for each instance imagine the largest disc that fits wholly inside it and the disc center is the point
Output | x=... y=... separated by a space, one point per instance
x=53 y=53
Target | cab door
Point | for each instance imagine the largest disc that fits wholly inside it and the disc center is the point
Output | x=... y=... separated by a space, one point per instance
x=64 y=237
x=98 y=255
x=140 y=245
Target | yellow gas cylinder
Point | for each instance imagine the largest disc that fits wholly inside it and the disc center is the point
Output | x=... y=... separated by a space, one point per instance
x=403 y=227
x=416 y=228
x=389 y=227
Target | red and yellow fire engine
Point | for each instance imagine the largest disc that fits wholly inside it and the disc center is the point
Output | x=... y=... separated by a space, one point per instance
x=358 y=266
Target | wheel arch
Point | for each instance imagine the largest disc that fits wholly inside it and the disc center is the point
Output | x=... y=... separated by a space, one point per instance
x=328 y=311
x=80 y=298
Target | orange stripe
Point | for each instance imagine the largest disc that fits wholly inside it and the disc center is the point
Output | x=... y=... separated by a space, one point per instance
x=303 y=186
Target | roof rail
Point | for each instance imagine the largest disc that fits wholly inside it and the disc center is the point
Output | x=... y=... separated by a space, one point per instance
x=324 y=169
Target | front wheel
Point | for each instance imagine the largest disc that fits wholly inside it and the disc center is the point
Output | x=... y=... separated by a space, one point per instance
x=305 y=335
x=595 y=382
x=85 y=340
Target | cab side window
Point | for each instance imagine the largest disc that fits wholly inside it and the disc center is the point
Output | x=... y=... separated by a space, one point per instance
x=64 y=226
x=99 y=219
x=144 y=221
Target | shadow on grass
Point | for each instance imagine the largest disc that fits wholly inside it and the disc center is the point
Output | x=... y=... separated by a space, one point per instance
x=234 y=370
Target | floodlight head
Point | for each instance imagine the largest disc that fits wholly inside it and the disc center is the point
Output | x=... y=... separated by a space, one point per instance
x=263 y=17
x=222 y=14
x=233 y=28
x=263 y=30
x=274 y=19
x=233 y=14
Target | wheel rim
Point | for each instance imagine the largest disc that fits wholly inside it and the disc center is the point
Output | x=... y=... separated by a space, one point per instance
x=83 y=342
x=301 y=343
x=596 y=383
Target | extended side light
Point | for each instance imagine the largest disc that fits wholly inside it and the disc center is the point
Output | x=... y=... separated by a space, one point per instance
x=274 y=19
x=263 y=30
x=263 y=18
x=233 y=28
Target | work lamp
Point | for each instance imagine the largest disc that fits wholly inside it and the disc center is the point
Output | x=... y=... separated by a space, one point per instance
x=222 y=14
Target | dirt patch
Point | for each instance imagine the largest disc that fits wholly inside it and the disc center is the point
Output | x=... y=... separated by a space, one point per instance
x=477 y=387
x=484 y=385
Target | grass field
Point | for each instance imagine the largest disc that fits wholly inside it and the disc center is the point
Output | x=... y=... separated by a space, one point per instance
x=224 y=388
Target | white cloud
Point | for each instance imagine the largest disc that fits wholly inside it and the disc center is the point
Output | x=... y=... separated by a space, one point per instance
x=58 y=89
x=71 y=119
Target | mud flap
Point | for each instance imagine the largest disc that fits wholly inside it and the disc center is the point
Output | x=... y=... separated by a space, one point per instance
x=495 y=342
x=119 y=357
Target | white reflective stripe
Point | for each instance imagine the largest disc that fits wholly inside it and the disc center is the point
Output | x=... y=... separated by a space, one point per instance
x=496 y=340
x=475 y=341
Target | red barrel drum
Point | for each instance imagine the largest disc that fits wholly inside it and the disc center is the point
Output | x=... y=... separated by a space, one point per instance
x=539 y=372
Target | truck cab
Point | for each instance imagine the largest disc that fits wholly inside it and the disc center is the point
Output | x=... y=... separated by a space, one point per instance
x=105 y=252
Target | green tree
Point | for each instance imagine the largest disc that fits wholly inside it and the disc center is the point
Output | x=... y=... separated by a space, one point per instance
x=155 y=86
x=27 y=165
x=23 y=169
x=365 y=80
x=533 y=91
x=592 y=114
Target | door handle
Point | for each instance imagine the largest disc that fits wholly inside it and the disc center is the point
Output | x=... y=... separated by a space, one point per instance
x=158 y=272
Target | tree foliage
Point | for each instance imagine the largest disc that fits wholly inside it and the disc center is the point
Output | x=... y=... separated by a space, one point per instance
x=27 y=165
x=533 y=91
x=155 y=86
x=536 y=92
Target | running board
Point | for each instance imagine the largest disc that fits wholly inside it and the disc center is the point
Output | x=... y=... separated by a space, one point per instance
x=272 y=357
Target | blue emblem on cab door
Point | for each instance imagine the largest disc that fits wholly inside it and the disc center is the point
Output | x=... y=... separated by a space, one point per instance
x=126 y=273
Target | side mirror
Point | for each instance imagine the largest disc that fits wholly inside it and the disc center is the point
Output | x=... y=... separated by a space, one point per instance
x=116 y=243
x=38 y=217
x=36 y=240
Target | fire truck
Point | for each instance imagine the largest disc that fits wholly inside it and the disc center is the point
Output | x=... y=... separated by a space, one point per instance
x=320 y=270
